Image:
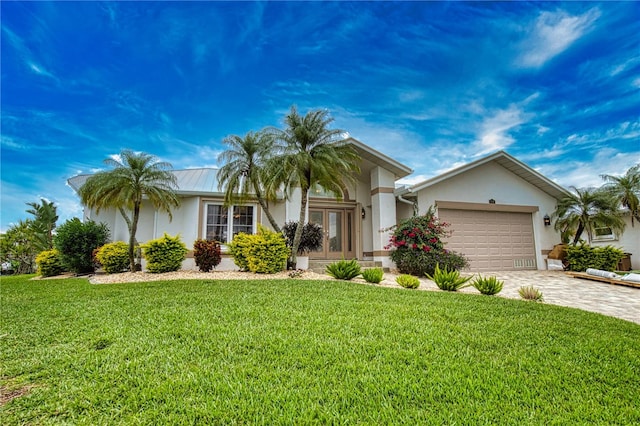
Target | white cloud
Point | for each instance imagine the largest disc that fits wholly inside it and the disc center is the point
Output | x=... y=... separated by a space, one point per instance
x=552 y=34
x=494 y=131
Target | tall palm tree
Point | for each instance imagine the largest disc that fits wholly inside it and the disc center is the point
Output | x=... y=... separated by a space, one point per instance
x=626 y=189
x=310 y=154
x=585 y=210
x=245 y=161
x=134 y=176
x=44 y=222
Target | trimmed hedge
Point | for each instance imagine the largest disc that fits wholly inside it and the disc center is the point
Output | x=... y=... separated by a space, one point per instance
x=583 y=256
x=164 y=254
x=49 y=263
x=264 y=253
x=114 y=257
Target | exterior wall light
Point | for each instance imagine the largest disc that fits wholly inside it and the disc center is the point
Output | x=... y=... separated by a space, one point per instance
x=492 y=201
x=363 y=213
x=547 y=220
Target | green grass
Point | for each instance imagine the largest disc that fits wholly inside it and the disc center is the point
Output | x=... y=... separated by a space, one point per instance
x=299 y=352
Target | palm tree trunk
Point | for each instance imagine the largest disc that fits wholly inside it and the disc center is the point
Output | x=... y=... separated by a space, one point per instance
x=298 y=235
x=578 y=233
x=132 y=236
x=265 y=208
x=135 y=241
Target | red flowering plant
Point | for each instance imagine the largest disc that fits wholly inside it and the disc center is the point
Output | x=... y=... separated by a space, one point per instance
x=416 y=245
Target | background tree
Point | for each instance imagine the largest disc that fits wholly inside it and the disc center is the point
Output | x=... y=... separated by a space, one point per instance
x=586 y=210
x=626 y=189
x=19 y=248
x=244 y=170
x=309 y=154
x=44 y=222
x=134 y=176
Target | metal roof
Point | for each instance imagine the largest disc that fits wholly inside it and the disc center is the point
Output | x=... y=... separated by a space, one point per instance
x=508 y=162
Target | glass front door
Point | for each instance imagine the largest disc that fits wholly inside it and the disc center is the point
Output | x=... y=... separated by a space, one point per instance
x=338 y=233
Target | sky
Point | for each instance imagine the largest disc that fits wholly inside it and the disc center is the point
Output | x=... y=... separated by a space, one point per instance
x=434 y=85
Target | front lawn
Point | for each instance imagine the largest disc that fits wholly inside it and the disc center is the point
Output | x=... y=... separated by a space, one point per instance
x=298 y=352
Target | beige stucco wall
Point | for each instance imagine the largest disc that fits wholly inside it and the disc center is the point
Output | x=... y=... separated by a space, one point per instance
x=492 y=181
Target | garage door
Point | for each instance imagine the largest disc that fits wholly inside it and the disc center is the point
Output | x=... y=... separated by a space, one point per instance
x=493 y=241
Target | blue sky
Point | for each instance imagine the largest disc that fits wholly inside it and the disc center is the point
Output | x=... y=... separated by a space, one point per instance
x=432 y=84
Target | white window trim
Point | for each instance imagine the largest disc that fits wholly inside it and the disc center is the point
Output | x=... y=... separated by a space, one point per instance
x=224 y=244
x=608 y=237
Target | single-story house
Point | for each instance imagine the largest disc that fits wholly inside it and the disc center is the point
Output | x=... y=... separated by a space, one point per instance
x=496 y=206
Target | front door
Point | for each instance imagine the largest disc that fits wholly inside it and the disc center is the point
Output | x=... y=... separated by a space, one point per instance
x=338 y=233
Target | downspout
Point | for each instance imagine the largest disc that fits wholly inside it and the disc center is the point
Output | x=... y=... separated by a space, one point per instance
x=413 y=204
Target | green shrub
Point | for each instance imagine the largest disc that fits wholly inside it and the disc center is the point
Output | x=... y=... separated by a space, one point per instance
x=49 y=263
x=373 y=275
x=448 y=280
x=583 y=256
x=530 y=293
x=408 y=281
x=311 y=240
x=76 y=241
x=488 y=285
x=344 y=269
x=114 y=257
x=416 y=246
x=206 y=254
x=264 y=253
x=164 y=254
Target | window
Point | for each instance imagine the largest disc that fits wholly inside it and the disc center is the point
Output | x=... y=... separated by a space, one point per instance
x=221 y=226
x=603 y=234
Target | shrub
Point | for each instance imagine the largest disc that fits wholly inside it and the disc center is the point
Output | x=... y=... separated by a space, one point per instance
x=373 y=275
x=488 y=285
x=164 y=254
x=344 y=269
x=206 y=254
x=583 y=256
x=76 y=241
x=49 y=263
x=311 y=240
x=114 y=257
x=408 y=281
x=449 y=280
x=417 y=246
x=530 y=293
x=265 y=252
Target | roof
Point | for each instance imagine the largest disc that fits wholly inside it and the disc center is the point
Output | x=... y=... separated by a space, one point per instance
x=379 y=159
x=508 y=162
x=190 y=181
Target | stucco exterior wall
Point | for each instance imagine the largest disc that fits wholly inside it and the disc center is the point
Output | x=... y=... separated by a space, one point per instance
x=492 y=181
x=628 y=241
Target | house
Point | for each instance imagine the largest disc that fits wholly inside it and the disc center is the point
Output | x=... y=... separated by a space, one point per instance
x=496 y=207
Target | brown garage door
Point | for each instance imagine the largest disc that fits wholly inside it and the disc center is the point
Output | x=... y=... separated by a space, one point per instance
x=493 y=241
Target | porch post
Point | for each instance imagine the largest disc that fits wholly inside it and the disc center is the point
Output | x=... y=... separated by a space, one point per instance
x=383 y=213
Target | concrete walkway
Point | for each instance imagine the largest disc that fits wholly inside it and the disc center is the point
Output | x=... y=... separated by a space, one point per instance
x=560 y=289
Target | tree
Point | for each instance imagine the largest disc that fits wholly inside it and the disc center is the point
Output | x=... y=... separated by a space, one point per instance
x=244 y=170
x=134 y=176
x=44 y=222
x=76 y=242
x=309 y=154
x=585 y=210
x=626 y=189
x=18 y=247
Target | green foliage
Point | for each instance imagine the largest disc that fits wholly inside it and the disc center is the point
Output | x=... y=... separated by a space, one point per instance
x=344 y=269
x=488 y=285
x=49 y=263
x=530 y=293
x=44 y=222
x=164 y=254
x=19 y=248
x=264 y=253
x=312 y=236
x=114 y=257
x=417 y=246
x=449 y=280
x=408 y=281
x=206 y=254
x=583 y=256
x=373 y=275
x=76 y=241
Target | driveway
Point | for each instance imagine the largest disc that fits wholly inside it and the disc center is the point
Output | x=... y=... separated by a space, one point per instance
x=560 y=289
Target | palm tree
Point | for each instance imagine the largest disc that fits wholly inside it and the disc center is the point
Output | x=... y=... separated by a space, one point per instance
x=134 y=176
x=44 y=222
x=244 y=169
x=585 y=210
x=626 y=189
x=311 y=154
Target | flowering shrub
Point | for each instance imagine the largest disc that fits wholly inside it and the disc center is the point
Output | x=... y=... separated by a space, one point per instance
x=417 y=246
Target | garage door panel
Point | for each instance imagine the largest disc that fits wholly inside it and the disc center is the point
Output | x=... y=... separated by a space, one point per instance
x=491 y=240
